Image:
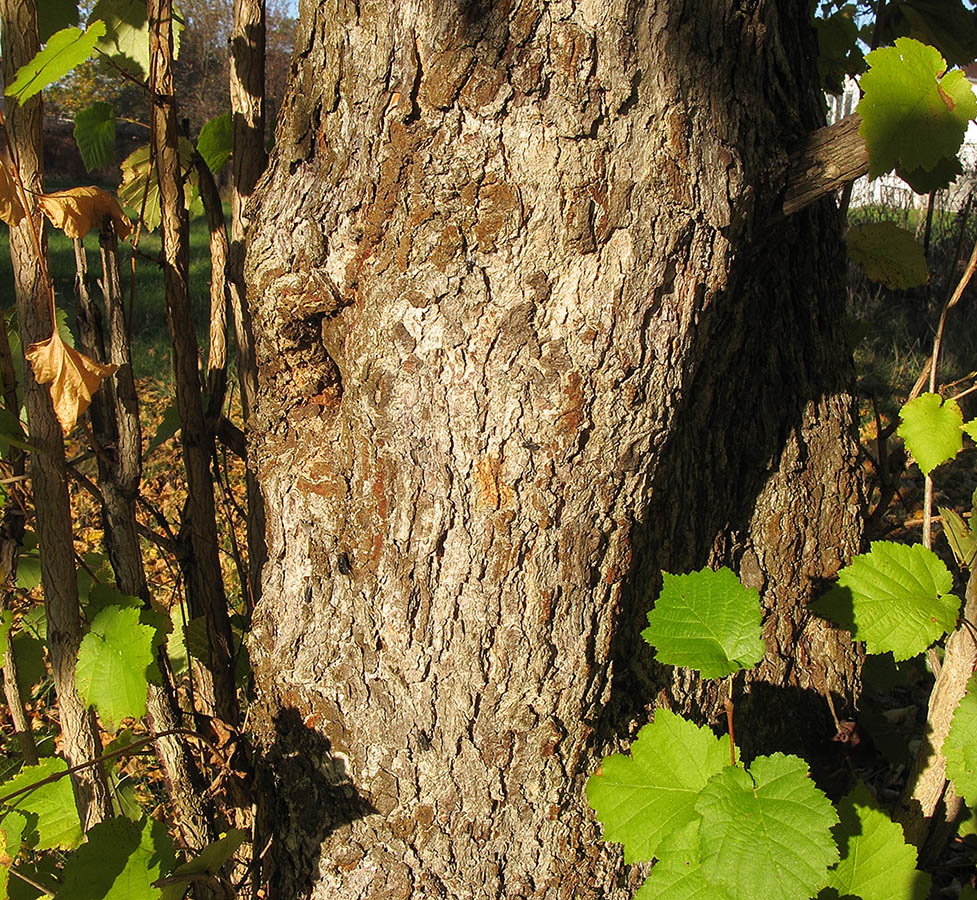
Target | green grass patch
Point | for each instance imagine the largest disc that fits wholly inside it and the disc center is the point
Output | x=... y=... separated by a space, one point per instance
x=149 y=331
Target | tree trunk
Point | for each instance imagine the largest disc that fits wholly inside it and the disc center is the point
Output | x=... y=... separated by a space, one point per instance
x=531 y=328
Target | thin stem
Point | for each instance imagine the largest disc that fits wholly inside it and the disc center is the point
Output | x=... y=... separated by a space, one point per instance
x=729 y=720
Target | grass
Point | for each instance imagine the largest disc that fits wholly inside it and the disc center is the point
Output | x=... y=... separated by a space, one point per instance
x=150 y=335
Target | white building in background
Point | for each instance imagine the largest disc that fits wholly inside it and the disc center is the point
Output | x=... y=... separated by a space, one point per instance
x=890 y=190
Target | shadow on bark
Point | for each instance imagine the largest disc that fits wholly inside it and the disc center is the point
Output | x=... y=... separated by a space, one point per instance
x=740 y=467
x=305 y=795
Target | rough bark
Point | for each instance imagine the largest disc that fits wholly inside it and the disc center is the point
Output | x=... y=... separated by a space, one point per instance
x=49 y=482
x=527 y=337
x=247 y=88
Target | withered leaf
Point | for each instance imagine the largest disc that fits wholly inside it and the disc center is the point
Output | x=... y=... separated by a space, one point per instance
x=11 y=209
x=77 y=211
x=73 y=377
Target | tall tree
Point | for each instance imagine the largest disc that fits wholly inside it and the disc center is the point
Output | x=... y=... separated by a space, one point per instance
x=531 y=326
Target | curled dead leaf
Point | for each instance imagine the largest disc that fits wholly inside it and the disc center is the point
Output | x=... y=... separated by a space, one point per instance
x=73 y=377
x=77 y=211
x=11 y=209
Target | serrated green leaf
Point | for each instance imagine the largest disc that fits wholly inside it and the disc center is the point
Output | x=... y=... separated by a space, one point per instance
x=126 y=40
x=53 y=15
x=931 y=429
x=960 y=746
x=101 y=595
x=707 y=621
x=12 y=825
x=216 y=142
x=119 y=860
x=888 y=254
x=28 y=570
x=137 y=173
x=962 y=541
x=945 y=24
x=766 y=833
x=196 y=639
x=66 y=49
x=642 y=798
x=900 y=598
x=678 y=876
x=911 y=116
x=52 y=818
x=113 y=660
x=876 y=862
x=971 y=429
x=29 y=653
x=95 y=135
x=941 y=176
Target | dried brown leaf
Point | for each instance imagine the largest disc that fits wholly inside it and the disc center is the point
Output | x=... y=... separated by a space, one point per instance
x=77 y=211
x=11 y=209
x=73 y=377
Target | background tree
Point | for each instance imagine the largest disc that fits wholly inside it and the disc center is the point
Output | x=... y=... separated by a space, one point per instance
x=532 y=327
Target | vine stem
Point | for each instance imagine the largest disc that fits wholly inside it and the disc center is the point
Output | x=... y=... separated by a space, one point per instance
x=104 y=757
x=729 y=720
x=934 y=364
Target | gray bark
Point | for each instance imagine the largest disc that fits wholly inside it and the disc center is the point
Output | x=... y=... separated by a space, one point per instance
x=531 y=328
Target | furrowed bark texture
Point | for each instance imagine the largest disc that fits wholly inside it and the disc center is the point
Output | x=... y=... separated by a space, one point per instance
x=247 y=89
x=48 y=471
x=526 y=338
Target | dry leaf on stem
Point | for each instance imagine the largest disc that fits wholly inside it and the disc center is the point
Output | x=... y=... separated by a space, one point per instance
x=73 y=377
x=11 y=209
x=77 y=211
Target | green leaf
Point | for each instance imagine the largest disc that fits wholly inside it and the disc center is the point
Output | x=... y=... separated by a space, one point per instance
x=102 y=595
x=12 y=826
x=706 y=621
x=65 y=50
x=899 y=598
x=960 y=746
x=49 y=809
x=214 y=855
x=942 y=175
x=838 y=51
x=216 y=142
x=53 y=15
x=28 y=570
x=137 y=172
x=911 y=116
x=29 y=653
x=678 y=876
x=945 y=24
x=888 y=254
x=962 y=541
x=95 y=135
x=11 y=431
x=119 y=860
x=766 y=833
x=168 y=427
x=642 y=798
x=112 y=664
x=126 y=40
x=876 y=862
x=931 y=430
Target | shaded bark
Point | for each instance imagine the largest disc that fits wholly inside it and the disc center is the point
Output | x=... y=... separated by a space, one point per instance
x=527 y=337
x=247 y=86
x=49 y=482
x=199 y=562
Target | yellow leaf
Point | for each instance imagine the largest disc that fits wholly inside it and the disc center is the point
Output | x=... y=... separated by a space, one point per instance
x=73 y=377
x=78 y=210
x=11 y=209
